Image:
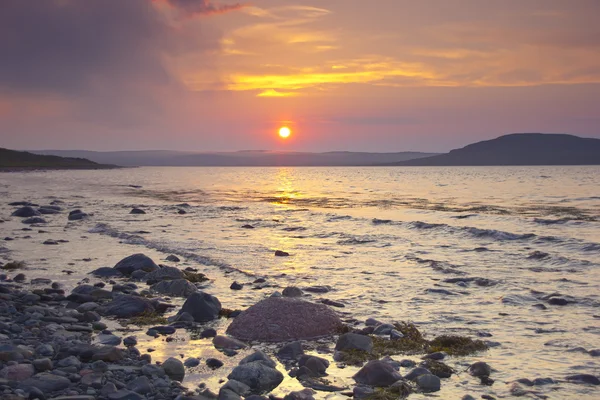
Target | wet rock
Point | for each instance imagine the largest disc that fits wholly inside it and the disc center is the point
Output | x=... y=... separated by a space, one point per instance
x=107 y=353
x=202 y=306
x=306 y=394
x=21 y=278
x=137 y=211
x=332 y=303
x=213 y=363
x=584 y=378
x=316 y=365
x=164 y=330
x=175 y=288
x=396 y=334
x=224 y=342
x=383 y=329
x=362 y=392
x=50 y=242
x=191 y=362
x=164 y=274
x=558 y=301
x=429 y=383
x=125 y=394
x=438 y=355
x=17 y=372
x=34 y=220
x=174 y=369
x=106 y=272
x=173 y=258
x=208 y=333
x=136 y=262
x=236 y=387
x=279 y=253
x=127 y=306
x=292 y=291
x=377 y=373
x=278 y=319
x=109 y=339
x=42 y=364
x=77 y=215
x=26 y=212
x=258 y=356
x=236 y=286
x=372 y=322
x=258 y=376
x=46 y=382
x=480 y=369
x=414 y=373
x=353 y=341
x=318 y=289
x=140 y=385
x=247 y=226
x=291 y=351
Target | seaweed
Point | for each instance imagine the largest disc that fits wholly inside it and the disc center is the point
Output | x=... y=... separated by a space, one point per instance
x=147 y=318
x=456 y=345
x=226 y=312
x=13 y=265
x=438 y=368
x=195 y=277
x=398 y=390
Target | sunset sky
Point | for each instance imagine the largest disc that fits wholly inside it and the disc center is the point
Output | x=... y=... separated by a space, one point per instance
x=381 y=75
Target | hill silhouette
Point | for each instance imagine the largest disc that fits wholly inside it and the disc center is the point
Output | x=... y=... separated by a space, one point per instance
x=13 y=160
x=519 y=149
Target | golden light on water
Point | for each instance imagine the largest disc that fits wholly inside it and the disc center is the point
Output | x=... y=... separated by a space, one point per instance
x=284 y=132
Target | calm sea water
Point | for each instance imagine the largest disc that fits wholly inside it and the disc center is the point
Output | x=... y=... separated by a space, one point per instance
x=389 y=241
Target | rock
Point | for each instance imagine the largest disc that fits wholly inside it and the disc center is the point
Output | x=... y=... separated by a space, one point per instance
x=306 y=394
x=191 y=362
x=173 y=258
x=239 y=388
x=396 y=334
x=429 y=383
x=107 y=389
x=236 y=286
x=127 y=306
x=17 y=372
x=137 y=211
x=372 y=322
x=202 y=306
x=42 y=364
x=130 y=341
x=318 y=289
x=94 y=380
x=125 y=394
x=557 y=301
x=140 y=385
x=383 y=329
x=333 y=303
x=224 y=342
x=584 y=378
x=362 y=392
x=354 y=341
x=135 y=262
x=208 y=333
x=258 y=376
x=438 y=355
x=279 y=253
x=213 y=363
x=46 y=382
x=174 y=369
x=70 y=361
x=292 y=291
x=258 y=356
x=414 y=373
x=278 y=319
x=107 y=353
x=291 y=351
x=34 y=220
x=106 y=272
x=377 y=373
x=99 y=366
x=77 y=215
x=316 y=365
x=89 y=306
x=175 y=288
x=164 y=274
x=50 y=242
x=109 y=339
x=480 y=369
x=164 y=330
x=21 y=278
x=25 y=212
x=44 y=350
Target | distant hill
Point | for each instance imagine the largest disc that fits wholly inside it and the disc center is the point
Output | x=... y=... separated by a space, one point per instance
x=18 y=160
x=519 y=149
x=258 y=158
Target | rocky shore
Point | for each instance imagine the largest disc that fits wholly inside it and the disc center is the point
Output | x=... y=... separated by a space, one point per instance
x=57 y=344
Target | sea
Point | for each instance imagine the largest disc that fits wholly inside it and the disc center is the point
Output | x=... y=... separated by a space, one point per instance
x=508 y=255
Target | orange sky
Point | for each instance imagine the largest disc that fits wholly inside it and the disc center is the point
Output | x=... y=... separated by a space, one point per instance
x=387 y=75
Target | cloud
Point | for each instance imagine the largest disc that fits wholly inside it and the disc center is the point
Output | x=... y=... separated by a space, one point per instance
x=203 y=7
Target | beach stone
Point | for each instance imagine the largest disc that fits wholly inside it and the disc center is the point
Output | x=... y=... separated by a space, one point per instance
x=280 y=253
x=46 y=382
x=291 y=351
x=174 y=369
x=372 y=322
x=107 y=353
x=236 y=286
x=384 y=329
x=236 y=387
x=34 y=220
x=414 y=373
x=278 y=319
x=106 y=272
x=140 y=385
x=107 y=389
x=258 y=356
x=137 y=211
x=318 y=289
x=70 y=361
x=109 y=339
x=173 y=258
x=213 y=363
x=25 y=212
x=584 y=378
x=202 y=306
x=225 y=342
x=125 y=394
x=127 y=306
x=317 y=365
x=306 y=394
x=292 y=291
x=89 y=306
x=164 y=274
x=438 y=355
x=17 y=372
x=175 y=288
x=354 y=341
x=130 y=341
x=208 y=333
x=99 y=366
x=258 y=376
x=136 y=262
x=94 y=380
x=77 y=215
x=191 y=362
x=377 y=373
x=480 y=369
x=42 y=364
x=429 y=383
x=396 y=334
x=44 y=350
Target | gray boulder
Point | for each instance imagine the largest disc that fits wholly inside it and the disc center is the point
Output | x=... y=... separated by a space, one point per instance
x=354 y=341
x=26 y=212
x=480 y=369
x=224 y=342
x=258 y=376
x=306 y=394
x=176 y=288
x=258 y=356
x=174 y=369
x=292 y=291
x=202 y=306
x=377 y=373
x=127 y=306
x=291 y=351
x=429 y=383
x=164 y=274
x=106 y=272
x=46 y=382
x=136 y=262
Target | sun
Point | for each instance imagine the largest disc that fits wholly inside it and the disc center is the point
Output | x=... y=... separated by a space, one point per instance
x=284 y=132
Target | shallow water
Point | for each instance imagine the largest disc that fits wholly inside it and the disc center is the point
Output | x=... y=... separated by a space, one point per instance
x=380 y=237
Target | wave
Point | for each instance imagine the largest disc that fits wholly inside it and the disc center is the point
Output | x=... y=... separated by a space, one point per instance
x=134 y=239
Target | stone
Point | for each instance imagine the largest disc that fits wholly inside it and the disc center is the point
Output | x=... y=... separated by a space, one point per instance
x=191 y=362
x=279 y=319
x=396 y=334
x=377 y=373
x=306 y=394
x=291 y=351
x=316 y=365
x=42 y=364
x=94 y=380
x=224 y=342
x=258 y=356
x=127 y=306
x=46 y=382
x=137 y=211
x=106 y=272
x=414 y=373
x=429 y=383
x=213 y=363
x=107 y=353
x=34 y=220
x=25 y=212
x=292 y=291
x=202 y=306
x=258 y=376
x=124 y=394
x=70 y=361
x=174 y=369
x=108 y=389
x=584 y=378
x=236 y=286
x=173 y=258
x=130 y=341
x=136 y=262
x=239 y=388
x=77 y=215
x=17 y=372
x=175 y=288
x=44 y=350
x=280 y=253
x=354 y=341
x=208 y=333
x=140 y=385
x=480 y=369
x=164 y=274
x=438 y=355
x=383 y=329
x=89 y=306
